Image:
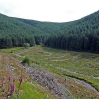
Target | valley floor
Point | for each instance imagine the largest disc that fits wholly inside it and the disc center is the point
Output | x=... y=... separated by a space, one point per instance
x=66 y=74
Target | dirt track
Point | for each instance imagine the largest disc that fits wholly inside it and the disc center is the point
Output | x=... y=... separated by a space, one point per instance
x=48 y=80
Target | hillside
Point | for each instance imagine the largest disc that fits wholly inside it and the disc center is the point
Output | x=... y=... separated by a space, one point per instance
x=47 y=27
x=10 y=25
x=64 y=74
x=78 y=35
x=14 y=32
x=18 y=31
x=15 y=83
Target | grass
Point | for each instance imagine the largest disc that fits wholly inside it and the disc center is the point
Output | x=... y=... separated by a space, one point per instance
x=11 y=67
x=32 y=90
x=80 y=65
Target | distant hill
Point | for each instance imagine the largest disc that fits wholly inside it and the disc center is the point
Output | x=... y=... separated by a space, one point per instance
x=12 y=25
x=48 y=27
x=14 y=32
x=78 y=35
x=18 y=31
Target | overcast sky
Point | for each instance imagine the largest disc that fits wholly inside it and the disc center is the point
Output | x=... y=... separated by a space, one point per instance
x=49 y=10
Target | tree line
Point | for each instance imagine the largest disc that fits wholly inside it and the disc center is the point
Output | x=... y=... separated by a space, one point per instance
x=79 y=35
x=18 y=41
x=74 y=42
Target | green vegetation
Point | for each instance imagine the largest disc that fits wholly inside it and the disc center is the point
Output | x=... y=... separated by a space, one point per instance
x=15 y=32
x=26 y=45
x=67 y=64
x=25 y=61
x=33 y=91
x=10 y=72
x=79 y=35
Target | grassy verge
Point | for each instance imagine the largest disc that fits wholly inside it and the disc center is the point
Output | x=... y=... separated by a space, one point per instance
x=32 y=90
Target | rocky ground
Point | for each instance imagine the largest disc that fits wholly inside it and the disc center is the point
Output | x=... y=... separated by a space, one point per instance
x=48 y=80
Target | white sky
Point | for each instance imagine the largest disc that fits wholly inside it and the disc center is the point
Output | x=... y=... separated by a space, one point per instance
x=49 y=10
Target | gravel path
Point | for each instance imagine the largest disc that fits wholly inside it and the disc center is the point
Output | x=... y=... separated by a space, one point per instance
x=48 y=80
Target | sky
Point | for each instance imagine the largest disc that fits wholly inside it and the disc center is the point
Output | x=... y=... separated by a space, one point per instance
x=49 y=10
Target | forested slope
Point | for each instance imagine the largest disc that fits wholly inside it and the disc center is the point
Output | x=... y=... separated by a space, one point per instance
x=48 y=27
x=14 y=32
x=78 y=35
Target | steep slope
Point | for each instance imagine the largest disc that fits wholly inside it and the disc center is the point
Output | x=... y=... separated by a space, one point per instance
x=79 y=35
x=48 y=27
x=10 y=25
x=16 y=32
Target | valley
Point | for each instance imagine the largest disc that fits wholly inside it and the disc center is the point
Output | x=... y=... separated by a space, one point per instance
x=76 y=71
x=49 y=60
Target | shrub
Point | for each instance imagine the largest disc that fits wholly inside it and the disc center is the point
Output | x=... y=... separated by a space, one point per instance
x=26 y=45
x=26 y=61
